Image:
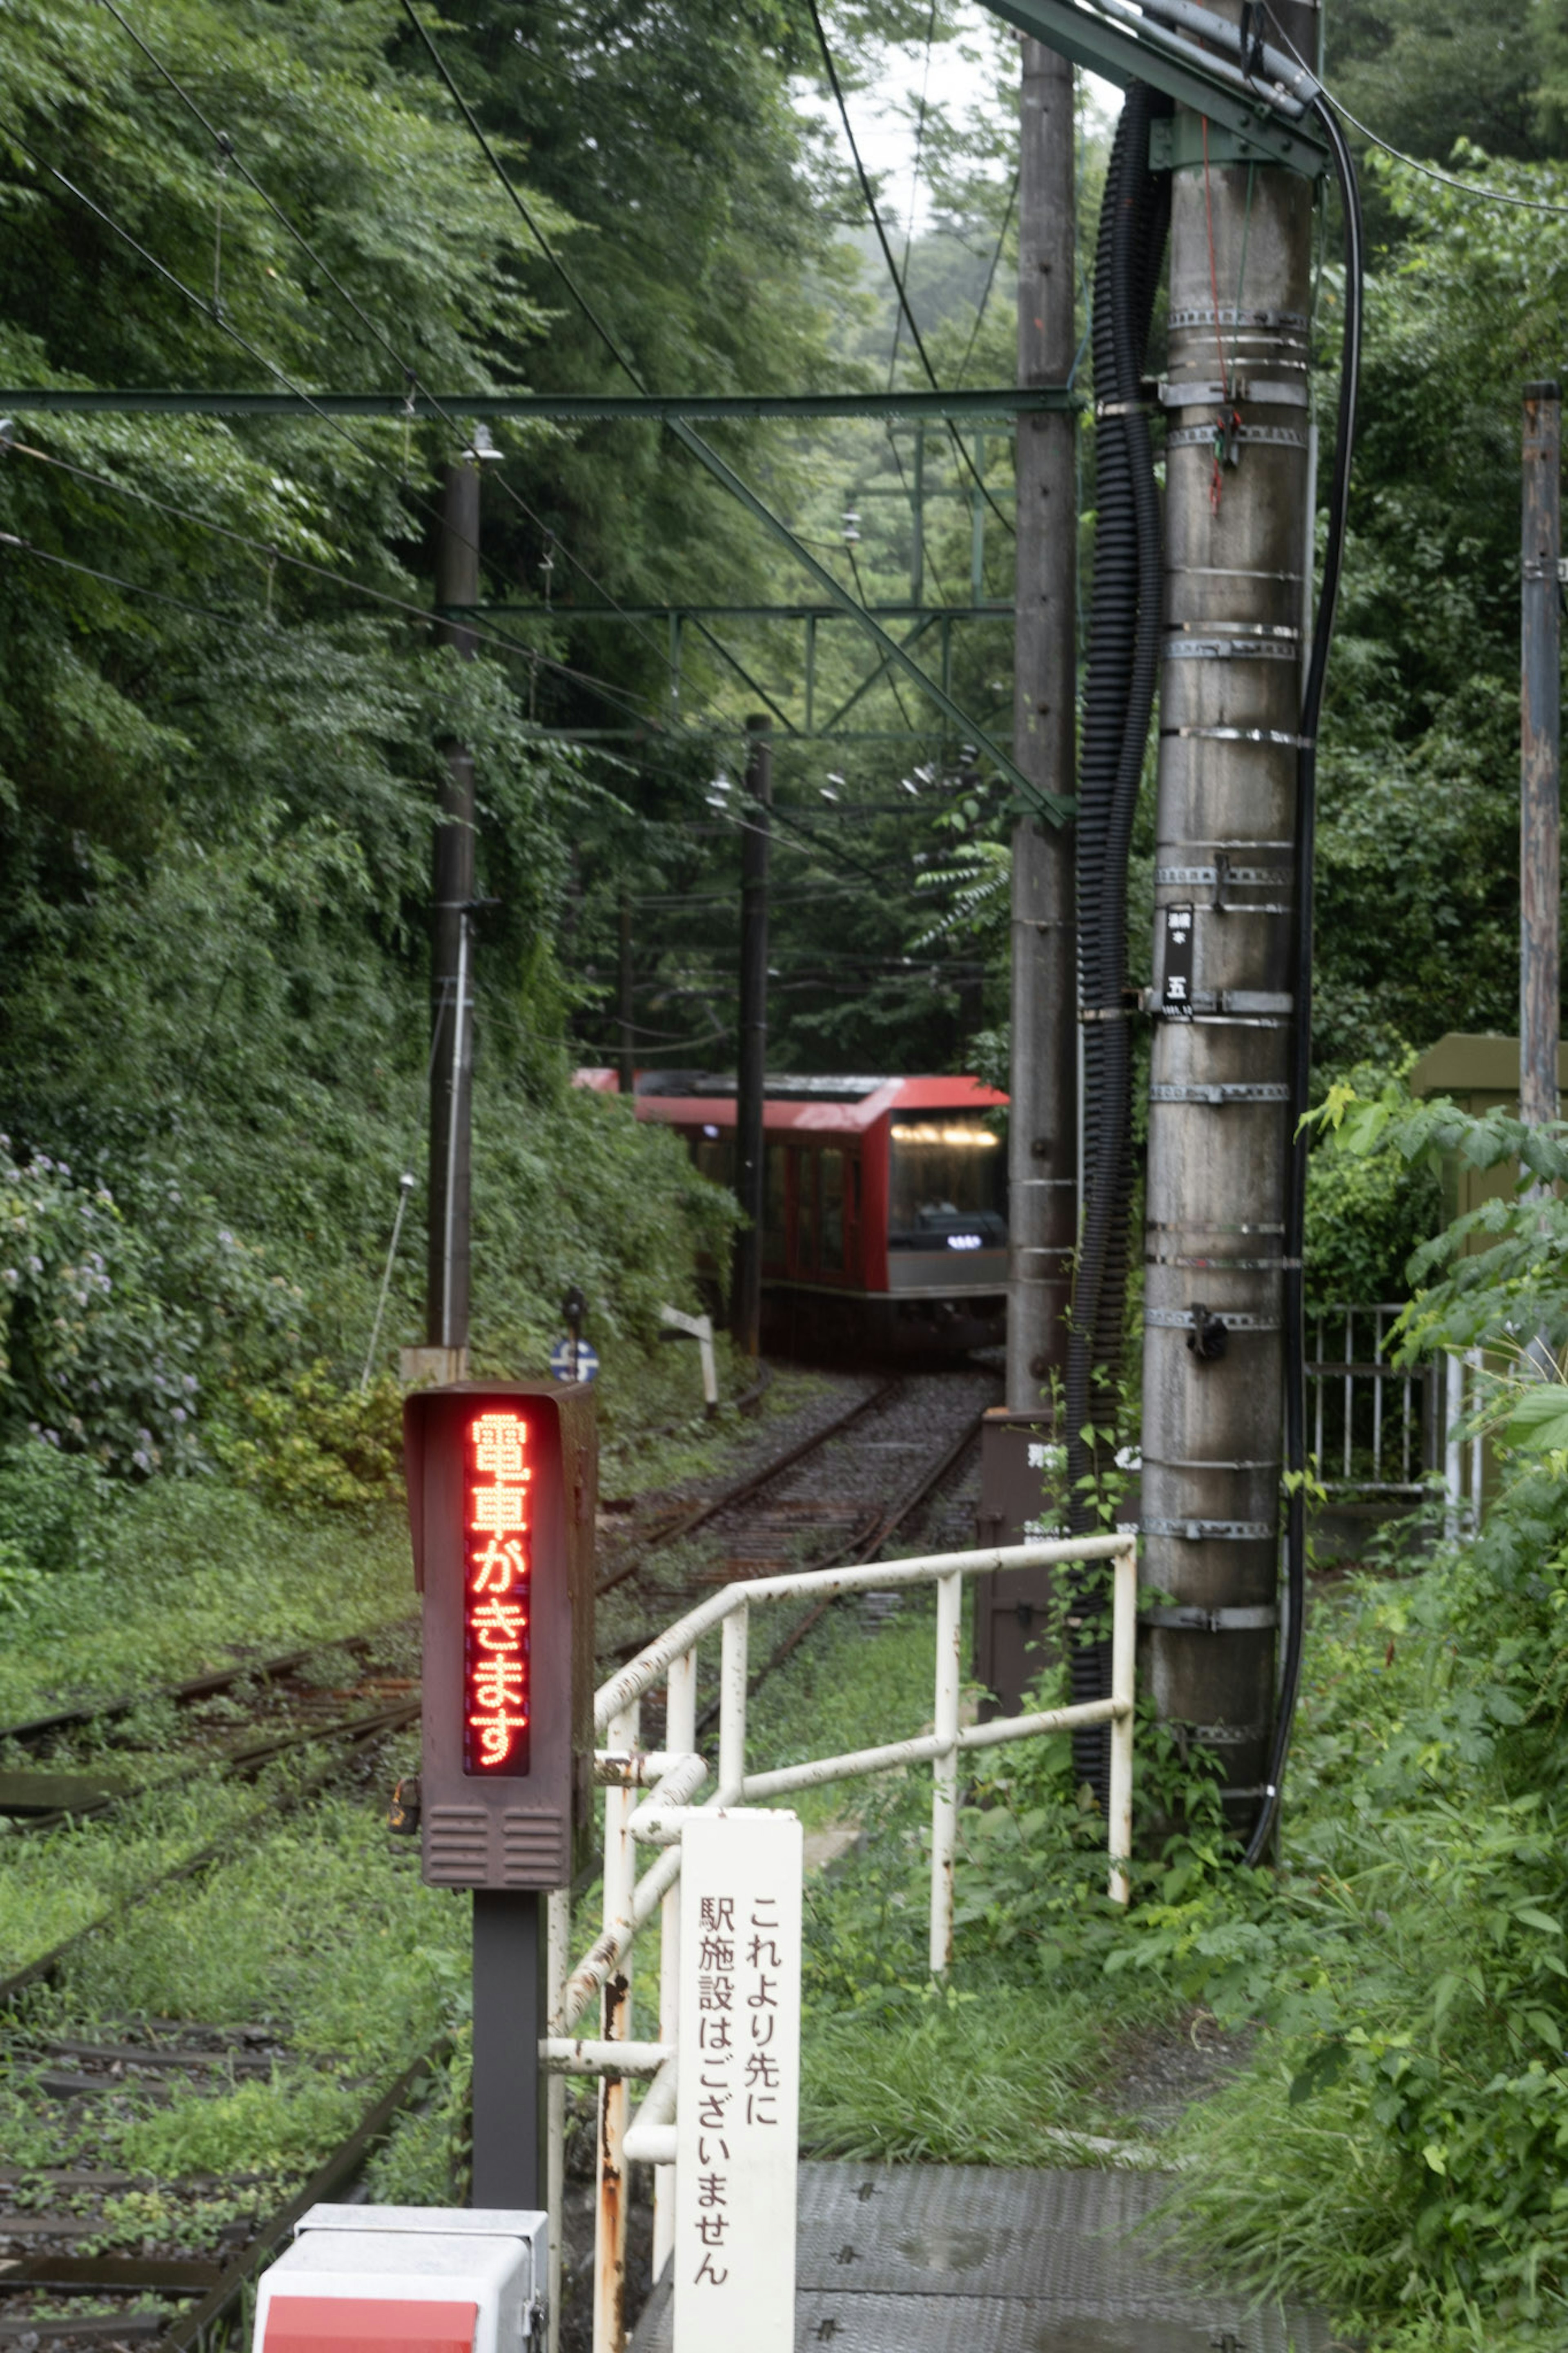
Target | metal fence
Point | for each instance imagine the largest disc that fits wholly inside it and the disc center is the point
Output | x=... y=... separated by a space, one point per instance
x=669 y=1779
x=1381 y=1432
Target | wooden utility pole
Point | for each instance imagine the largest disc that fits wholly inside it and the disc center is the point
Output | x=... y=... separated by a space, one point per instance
x=1237 y=545
x=1011 y=1610
x=1539 y=798
x=752 y=1060
x=451 y=962
x=1043 y=1171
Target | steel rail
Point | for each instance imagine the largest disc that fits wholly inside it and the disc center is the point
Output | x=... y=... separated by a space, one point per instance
x=334 y=2174
x=47 y=1966
x=207 y=1685
x=698 y=1515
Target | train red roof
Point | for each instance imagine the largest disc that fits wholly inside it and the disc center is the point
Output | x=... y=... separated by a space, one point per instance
x=827 y=1118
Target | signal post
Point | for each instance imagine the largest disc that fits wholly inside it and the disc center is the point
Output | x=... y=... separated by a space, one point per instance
x=502 y=1496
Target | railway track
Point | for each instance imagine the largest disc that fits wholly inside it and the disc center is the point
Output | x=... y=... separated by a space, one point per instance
x=93 y=2254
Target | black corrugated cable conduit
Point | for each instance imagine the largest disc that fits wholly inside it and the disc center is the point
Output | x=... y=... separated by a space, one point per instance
x=1301 y=1045
x=1123 y=672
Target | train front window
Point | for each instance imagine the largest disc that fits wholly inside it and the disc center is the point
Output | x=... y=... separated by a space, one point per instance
x=947 y=1186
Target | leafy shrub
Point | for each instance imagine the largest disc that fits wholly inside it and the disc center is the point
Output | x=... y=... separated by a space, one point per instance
x=90 y=1354
x=53 y=1506
x=314 y=1444
x=280 y=2126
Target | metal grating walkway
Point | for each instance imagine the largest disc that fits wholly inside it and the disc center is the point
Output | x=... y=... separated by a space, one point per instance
x=1039 y=2263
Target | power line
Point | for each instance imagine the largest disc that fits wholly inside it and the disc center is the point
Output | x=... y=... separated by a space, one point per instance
x=1478 y=195
x=876 y=224
x=990 y=276
x=225 y=146
x=112 y=580
x=301 y=562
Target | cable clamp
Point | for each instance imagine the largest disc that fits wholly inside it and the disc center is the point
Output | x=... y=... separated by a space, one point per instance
x=1273 y=877
x=1180 y=1319
x=1245 y=735
x=1200 y=436
x=1240 y=1620
x=1195 y=393
x=1255 y=647
x=1123 y=408
x=1222 y=1091
x=1211 y=1531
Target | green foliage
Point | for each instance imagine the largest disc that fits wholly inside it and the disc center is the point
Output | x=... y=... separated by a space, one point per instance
x=276 y=2127
x=55 y=1508
x=315 y=1446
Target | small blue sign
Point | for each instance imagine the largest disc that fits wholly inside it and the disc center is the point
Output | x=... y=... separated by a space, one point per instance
x=573 y=1360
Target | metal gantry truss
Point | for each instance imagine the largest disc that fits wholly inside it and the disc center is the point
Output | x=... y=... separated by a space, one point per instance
x=1106 y=37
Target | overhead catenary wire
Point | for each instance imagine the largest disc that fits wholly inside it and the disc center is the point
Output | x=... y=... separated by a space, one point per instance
x=876 y=222
x=228 y=151
x=273 y=553
x=709 y=458
x=227 y=147
x=112 y=580
x=990 y=278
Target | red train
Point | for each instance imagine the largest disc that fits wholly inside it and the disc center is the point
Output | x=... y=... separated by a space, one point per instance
x=885 y=1221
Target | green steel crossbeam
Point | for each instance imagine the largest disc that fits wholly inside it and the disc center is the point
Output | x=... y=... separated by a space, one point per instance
x=546 y=408
x=1130 y=51
x=566 y=611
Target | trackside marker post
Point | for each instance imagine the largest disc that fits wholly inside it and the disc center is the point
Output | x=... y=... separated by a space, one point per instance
x=738 y=2082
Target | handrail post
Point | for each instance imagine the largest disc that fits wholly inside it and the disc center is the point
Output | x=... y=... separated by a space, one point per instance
x=944 y=1767
x=558 y=1947
x=732 y=1707
x=679 y=1739
x=1123 y=1669
x=610 y=2224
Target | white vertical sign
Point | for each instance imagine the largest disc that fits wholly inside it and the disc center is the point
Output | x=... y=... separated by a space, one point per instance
x=738 y=2084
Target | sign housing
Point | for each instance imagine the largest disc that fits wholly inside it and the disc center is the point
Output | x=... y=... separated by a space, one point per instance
x=501 y=1481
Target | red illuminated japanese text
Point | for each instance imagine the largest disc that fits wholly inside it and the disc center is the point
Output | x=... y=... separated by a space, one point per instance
x=496 y=1565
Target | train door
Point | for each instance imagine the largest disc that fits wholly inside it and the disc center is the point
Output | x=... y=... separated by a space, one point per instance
x=830 y=1229
x=775 y=1206
x=803 y=1211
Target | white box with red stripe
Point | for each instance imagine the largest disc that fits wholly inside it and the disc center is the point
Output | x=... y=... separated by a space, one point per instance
x=407 y=2279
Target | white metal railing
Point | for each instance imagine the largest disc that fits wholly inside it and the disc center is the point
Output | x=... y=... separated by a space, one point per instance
x=649 y=1795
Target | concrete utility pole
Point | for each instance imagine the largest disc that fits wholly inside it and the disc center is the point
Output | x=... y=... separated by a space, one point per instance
x=1541 y=769
x=1238 y=548
x=451 y=974
x=752 y=1060
x=1042 y=1164
x=1011 y=1610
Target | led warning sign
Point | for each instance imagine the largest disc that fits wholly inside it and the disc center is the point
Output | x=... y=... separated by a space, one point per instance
x=497 y=1596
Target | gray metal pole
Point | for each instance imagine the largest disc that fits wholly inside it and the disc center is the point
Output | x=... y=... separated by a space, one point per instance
x=1043 y=1125
x=628 y=1058
x=451 y=976
x=1541 y=771
x=746 y=1304
x=1236 y=548
x=509 y=2019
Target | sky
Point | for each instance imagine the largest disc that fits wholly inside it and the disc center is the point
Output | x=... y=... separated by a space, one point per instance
x=962 y=76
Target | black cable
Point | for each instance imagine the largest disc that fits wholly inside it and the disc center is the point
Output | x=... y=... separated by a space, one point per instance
x=1301 y=1041
x=990 y=277
x=301 y=564
x=871 y=207
x=1123 y=672
x=914 y=190
x=112 y=580
x=411 y=376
